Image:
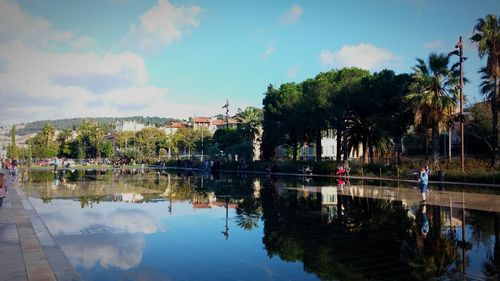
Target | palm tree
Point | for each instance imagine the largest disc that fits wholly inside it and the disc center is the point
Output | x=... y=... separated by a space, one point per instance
x=251 y=119
x=49 y=132
x=432 y=94
x=487 y=89
x=487 y=37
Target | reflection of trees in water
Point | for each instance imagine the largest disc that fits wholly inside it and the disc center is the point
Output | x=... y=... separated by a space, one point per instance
x=433 y=255
x=491 y=268
x=248 y=213
x=485 y=230
x=90 y=200
x=371 y=238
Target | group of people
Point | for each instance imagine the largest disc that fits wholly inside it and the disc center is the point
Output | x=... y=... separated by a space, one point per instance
x=11 y=165
x=341 y=171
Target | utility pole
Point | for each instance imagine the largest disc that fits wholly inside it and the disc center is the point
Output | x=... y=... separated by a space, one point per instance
x=226 y=106
x=462 y=160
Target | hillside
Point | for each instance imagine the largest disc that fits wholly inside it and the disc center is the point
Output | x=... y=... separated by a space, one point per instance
x=34 y=127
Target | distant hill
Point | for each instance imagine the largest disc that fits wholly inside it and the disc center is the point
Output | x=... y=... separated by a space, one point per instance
x=61 y=124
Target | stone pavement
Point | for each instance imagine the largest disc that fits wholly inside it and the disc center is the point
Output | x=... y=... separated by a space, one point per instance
x=27 y=249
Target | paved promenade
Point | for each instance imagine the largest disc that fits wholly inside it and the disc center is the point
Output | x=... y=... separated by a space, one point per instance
x=27 y=250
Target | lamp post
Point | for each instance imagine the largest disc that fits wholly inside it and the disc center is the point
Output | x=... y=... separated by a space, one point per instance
x=459 y=53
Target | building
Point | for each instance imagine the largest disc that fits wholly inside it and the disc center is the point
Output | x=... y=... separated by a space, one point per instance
x=174 y=127
x=131 y=126
x=328 y=149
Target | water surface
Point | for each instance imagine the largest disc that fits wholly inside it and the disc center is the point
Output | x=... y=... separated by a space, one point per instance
x=150 y=225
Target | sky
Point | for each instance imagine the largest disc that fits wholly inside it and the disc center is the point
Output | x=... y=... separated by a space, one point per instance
x=174 y=58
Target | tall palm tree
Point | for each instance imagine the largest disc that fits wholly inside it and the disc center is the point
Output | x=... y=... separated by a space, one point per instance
x=487 y=38
x=432 y=93
x=48 y=132
x=487 y=89
x=251 y=118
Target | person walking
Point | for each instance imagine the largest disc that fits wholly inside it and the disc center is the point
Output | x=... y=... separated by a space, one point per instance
x=423 y=182
x=56 y=164
x=3 y=188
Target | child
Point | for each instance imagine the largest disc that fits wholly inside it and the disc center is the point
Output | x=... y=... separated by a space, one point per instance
x=423 y=182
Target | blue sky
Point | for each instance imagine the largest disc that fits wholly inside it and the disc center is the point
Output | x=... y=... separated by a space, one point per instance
x=61 y=59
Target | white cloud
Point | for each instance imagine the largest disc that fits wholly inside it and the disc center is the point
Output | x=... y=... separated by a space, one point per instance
x=163 y=24
x=437 y=44
x=106 y=250
x=84 y=43
x=327 y=58
x=269 y=49
x=17 y=25
x=363 y=55
x=292 y=15
x=293 y=71
x=39 y=83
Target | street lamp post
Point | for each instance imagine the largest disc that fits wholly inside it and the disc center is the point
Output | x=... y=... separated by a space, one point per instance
x=459 y=52
x=462 y=160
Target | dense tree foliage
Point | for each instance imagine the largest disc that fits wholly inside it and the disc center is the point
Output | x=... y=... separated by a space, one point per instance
x=487 y=38
x=360 y=107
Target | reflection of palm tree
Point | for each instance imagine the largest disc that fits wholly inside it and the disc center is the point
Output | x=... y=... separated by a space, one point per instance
x=491 y=268
x=248 y=213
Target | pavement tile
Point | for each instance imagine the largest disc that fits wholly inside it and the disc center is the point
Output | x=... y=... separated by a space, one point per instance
x=23 y=239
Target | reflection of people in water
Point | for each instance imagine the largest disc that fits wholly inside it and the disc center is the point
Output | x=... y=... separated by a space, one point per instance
x=423 y=221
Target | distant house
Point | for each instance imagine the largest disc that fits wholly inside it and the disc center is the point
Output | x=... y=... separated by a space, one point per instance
x=129 y=126
x=328 y=149
x=173 y=127
x=213 y=124
x=201 y=122
x=222 y=124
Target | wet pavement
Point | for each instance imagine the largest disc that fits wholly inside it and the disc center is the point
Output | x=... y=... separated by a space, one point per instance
x=28 y=251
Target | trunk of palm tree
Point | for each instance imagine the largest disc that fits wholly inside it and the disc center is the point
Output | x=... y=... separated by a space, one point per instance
x=339 y=145
x=365 y=152
x=494 y=132
x=345 y=150
x=399 y=141
x=318 y=146
x=435 y=142
x=294 y=150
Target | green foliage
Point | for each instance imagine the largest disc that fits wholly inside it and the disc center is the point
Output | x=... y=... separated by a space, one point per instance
x=433 y=95
x=478 y=130
x=150 y=140
x=12 y=151
x=106 y=149
x=360 y=107
x=43 y=144
x=243 y=150
x=131 y=154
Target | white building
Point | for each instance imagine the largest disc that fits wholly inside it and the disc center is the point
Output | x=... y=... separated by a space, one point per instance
x=129 y=126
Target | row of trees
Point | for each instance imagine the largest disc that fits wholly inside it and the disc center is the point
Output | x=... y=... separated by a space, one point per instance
x=360 y=107
x=374 y=111
x=94 y=140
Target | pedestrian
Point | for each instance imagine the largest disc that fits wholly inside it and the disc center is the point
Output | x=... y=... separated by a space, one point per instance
x=347 y=168
x=423 y=182
x=56 y=164
x=3 y=188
